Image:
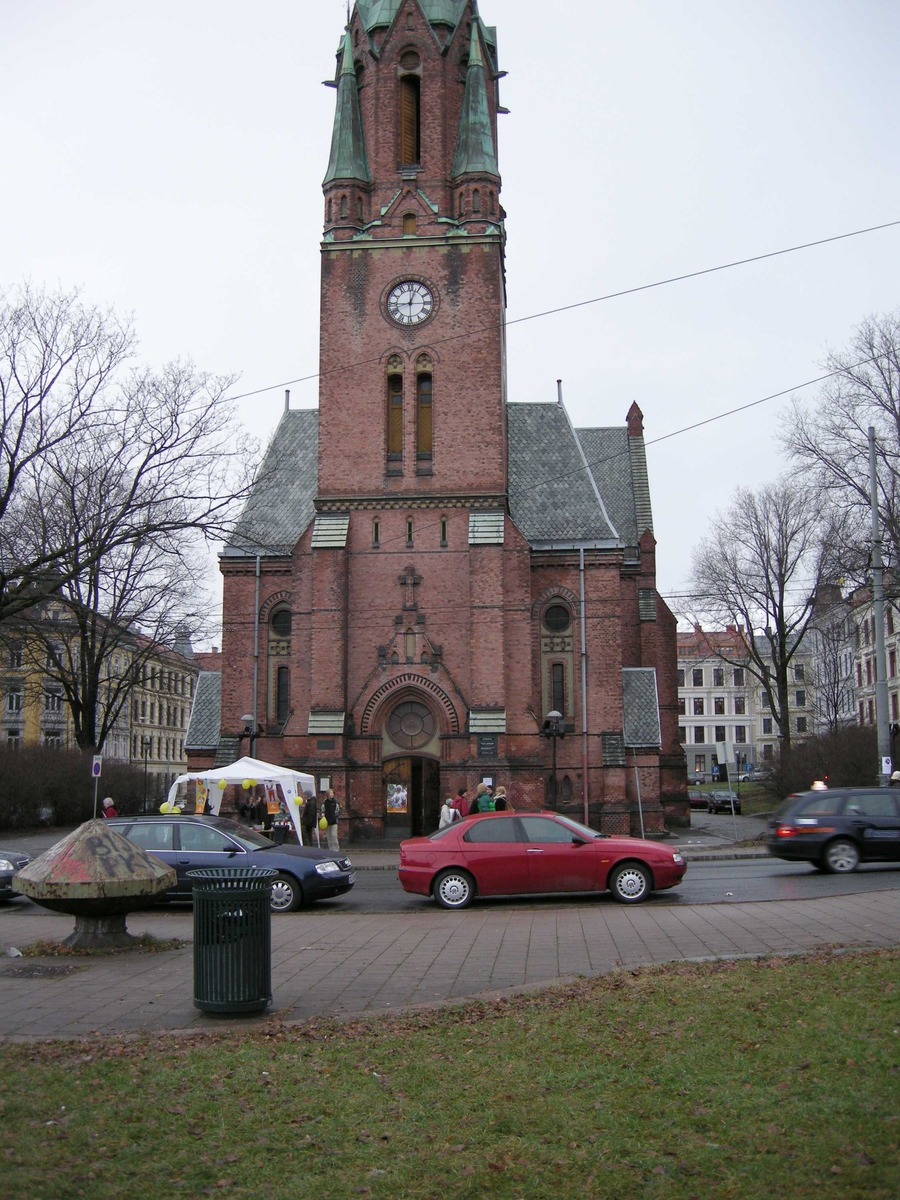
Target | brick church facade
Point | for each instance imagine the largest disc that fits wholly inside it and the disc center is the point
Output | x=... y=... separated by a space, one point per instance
x=425 y=569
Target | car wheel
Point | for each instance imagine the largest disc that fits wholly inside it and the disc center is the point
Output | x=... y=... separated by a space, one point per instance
x=630 y=883
x=841 y=856
x=454 y=889
x=287 y=894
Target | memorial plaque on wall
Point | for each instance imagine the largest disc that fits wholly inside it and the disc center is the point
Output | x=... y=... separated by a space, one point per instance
x=487 y=745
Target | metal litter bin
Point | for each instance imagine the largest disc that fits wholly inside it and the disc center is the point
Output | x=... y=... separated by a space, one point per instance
x=232 y=939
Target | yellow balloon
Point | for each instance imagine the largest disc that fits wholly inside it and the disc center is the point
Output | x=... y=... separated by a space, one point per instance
x=223 y=784
x=323 y=823
x=253 y=783
x=165 y=807
x=246 y=785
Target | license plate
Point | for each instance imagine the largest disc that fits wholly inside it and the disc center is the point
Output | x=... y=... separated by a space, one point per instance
x=351 y=878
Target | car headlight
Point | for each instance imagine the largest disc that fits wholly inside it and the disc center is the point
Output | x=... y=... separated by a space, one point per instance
x=328 y=868
x=677 y=858
x=6 y=865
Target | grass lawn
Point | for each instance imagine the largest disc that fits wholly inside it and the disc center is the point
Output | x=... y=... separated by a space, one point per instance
x=777 y=1077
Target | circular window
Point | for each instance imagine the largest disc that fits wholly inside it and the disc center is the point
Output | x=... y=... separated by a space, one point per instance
x=409 y=60
x=411 y=725
x=281 y=622
x=557 y=618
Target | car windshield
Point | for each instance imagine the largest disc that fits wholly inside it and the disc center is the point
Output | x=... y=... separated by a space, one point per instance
x=582 y=830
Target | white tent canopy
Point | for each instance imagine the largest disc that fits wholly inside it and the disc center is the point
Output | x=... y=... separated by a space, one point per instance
x=293 y=784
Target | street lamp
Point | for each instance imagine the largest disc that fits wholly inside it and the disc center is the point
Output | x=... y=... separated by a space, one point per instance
x=554 y=727
x=252 y=730
x=145 y=754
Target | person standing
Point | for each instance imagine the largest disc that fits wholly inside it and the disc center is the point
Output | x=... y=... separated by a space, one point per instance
x=331 y=811
x=501 y=801
x=109 y=809
x=460 y=802
x=482 y=802
x=308 y=818
x=448 y=814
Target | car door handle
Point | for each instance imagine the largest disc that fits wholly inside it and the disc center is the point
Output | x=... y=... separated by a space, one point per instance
x=184 y=862
x=535 y=850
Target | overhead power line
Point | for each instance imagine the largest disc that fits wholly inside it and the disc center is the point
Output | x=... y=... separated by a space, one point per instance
x=644 y=287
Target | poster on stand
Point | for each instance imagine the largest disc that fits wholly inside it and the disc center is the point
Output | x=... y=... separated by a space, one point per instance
x=397 y=798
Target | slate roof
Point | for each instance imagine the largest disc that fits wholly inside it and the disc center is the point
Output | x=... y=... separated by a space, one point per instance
x=382 y=12
x=551 y=495
x=206 y=713
x=281 y=504
x=553 y=499
x=640 y=707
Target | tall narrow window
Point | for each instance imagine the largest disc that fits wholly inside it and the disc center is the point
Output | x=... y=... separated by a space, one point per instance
x=493 y=199
x=558 y=687
x=283 y=697
x=476 y=201
x=395 y=418
x=328 y=211
x=410 y=645
x=409 y=223
x=424 y=422
x=409 y=120
x=344 y=206
x=462 y=204
x=409 y=531
x=359 y=208
x=376 y=533
x=443 y=531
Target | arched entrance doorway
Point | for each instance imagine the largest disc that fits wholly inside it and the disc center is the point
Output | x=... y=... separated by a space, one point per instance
x=410 y=749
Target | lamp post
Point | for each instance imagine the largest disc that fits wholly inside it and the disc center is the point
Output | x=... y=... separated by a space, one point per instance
x=145 y=754
x=251 y=730
x=554 y=727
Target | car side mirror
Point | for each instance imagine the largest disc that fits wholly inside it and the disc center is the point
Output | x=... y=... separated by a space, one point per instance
x=577 y=841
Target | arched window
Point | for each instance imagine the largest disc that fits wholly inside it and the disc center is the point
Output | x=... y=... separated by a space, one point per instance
x=476 y=201
x=424 y=412
x=345 y=209
x=409 y=223
x=493 y=201
x=395 y=412
x=410 y=120
x=566 y=790
x=359 y=208
x=283 y=695
x=328 y=211
x=462 y=204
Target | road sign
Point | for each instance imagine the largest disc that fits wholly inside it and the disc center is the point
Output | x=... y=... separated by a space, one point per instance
x=97 y=765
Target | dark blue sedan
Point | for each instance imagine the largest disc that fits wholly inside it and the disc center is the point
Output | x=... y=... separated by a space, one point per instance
x=10 y=862
x=187 y=843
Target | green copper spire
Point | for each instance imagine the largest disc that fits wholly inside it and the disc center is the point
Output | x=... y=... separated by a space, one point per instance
x=348 y=148
x=475 y=153
x=375 y=13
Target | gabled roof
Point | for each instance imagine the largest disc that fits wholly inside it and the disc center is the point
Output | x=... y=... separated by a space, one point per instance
x=281 y=505
x=551 y=495
x=608 y=453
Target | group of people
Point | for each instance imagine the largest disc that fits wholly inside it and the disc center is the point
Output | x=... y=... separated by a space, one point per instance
x=485 y=800
x=327 y=822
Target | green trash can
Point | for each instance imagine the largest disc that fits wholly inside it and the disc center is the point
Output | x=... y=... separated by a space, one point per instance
x=232 y=939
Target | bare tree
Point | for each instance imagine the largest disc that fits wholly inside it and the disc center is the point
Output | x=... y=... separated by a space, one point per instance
x=130 y=502
x=58 y=359
x=760 y=568
x=829 y=438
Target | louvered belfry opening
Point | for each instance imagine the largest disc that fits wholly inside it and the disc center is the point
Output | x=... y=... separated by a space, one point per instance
x=395 y=419
x=424 y=424
x=410 y=133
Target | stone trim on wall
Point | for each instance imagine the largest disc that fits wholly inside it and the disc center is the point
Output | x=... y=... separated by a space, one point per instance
x=412 y=683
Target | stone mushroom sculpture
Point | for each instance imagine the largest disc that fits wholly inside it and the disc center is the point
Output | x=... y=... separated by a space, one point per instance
x=99 y=877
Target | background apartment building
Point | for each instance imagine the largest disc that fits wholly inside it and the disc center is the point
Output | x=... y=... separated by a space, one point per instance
x=714 y=698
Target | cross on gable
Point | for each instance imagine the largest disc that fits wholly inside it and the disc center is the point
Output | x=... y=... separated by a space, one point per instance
x=409 y=580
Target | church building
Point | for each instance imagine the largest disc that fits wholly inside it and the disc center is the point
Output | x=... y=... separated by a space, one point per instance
x=426 y=570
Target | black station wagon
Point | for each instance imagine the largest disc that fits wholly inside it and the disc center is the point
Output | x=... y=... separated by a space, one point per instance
x=837 y=828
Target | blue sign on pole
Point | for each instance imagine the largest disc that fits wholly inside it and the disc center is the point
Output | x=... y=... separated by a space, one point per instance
x=96 y=765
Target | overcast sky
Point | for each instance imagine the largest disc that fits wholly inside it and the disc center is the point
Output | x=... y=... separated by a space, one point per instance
x=168 y=158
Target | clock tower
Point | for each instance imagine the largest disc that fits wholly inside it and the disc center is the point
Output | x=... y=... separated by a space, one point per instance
x=412 y=356
x=424 y=571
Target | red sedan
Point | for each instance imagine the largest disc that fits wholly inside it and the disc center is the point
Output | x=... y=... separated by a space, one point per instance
x=514 y=854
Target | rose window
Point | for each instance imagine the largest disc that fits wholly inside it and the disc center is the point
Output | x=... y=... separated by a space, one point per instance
x=411 y=725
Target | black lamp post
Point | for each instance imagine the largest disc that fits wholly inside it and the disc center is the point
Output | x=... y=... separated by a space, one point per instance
x=252 y=730
x=145 y=754
x=554 y=727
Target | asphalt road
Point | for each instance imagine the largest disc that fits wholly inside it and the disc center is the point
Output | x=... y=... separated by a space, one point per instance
x=731 y=881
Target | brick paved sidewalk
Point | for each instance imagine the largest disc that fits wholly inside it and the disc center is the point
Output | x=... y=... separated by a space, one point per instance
x=340 y=963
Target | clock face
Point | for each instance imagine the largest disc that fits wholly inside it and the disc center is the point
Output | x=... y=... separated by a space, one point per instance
x=410 y=303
